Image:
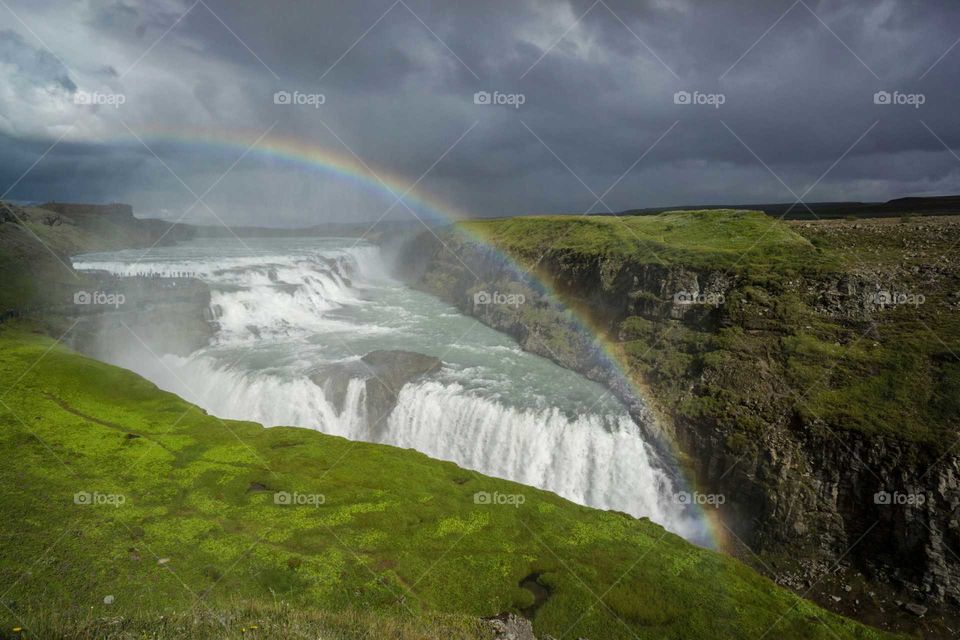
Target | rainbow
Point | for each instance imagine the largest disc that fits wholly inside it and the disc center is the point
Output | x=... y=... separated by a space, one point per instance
x=343 y=165
x=294 y=152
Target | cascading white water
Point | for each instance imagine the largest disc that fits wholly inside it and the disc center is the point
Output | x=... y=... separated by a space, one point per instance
x=287 y=307
x=587 y=459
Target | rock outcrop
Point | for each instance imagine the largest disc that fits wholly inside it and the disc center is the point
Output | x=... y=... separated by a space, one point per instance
x=169 y=315
x=508 y=626
x=383 y=374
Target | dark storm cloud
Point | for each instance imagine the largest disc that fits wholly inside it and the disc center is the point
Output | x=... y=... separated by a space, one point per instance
x=598 y=80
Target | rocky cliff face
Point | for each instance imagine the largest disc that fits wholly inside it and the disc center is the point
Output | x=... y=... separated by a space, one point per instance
x=823 y=504
x=117 y=211
x=168 y=315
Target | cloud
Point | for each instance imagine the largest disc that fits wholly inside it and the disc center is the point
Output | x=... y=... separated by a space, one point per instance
x=598 y=79
x=35 y=89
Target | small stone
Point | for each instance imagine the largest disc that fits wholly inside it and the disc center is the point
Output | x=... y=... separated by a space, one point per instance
x=107 y=599
x=163 y=560
x=916 y=609
x=836 y=598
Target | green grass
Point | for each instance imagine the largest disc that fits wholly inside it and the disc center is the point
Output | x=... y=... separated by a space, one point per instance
x=398 y=546
x=257 y=621
x=712 y=239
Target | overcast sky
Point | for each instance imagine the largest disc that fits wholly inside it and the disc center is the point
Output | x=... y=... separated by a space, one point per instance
x=780 y=104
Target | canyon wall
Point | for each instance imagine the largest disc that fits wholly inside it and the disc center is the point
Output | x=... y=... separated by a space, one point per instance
x=813 y=497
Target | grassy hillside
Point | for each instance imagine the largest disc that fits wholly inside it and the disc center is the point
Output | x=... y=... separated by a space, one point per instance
x=709 y=239
x=114 y=491
x=32 y=276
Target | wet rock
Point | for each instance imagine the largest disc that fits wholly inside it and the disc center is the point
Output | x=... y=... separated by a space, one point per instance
x=916 y=609
x=383 y=373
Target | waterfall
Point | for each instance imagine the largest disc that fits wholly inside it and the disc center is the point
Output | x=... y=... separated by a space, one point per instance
x=283 y=312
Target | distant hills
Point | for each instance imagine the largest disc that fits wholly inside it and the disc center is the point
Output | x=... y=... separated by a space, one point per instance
x=928 y=206
x=123 y=214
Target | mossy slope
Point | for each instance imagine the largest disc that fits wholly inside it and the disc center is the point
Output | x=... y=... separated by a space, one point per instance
x=397 y=534
x=723 y=238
